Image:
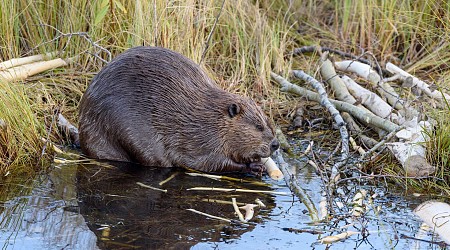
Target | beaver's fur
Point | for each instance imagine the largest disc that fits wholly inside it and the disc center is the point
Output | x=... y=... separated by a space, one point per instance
x=155 y=107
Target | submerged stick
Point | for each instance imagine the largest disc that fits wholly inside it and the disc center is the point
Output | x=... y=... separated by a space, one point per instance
x=292 y=182
x=168 y=179
x=223 y=177
x=235 y=190
x=208 y=215
x=249 y=211
x=150 y=187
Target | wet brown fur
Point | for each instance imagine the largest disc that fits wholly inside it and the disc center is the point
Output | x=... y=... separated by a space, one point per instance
x=156 y=107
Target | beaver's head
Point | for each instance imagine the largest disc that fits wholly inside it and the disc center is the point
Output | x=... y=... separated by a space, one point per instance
x=247 y=134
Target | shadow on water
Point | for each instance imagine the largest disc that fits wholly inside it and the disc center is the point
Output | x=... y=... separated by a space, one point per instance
x=124 y=214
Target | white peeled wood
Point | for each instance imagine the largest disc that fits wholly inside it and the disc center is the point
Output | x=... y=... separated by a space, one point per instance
x=410 y=152
x=272 y=169
x=27 y=70
x=365 y=71
x=417 y=82
x=371 y=100
x=26 y=60
x=436 y=214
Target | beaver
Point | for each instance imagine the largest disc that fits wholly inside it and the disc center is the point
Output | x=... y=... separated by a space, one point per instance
x=156 y=107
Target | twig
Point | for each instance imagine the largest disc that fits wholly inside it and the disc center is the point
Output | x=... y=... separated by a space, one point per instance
x=295 y=230
x=223 y=177
x=325 y=102
x=387 y=138
x=150 y=187
x=168 y=179
x=223 y=202
x=235 y=190
x=236 y=210
x=211 y=33
x=208 y=215
x=259 y=202
x=84 y=35
x=442 y=244
x=292 y=182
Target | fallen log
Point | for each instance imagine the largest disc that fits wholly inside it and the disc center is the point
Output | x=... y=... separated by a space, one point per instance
x=436 y=214
x=366 y=72
x=416 y=82
x=358 y=113
x=24 y=71
x=26 y=60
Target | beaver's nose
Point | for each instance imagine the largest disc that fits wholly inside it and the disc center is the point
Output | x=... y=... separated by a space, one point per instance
x=274 y=145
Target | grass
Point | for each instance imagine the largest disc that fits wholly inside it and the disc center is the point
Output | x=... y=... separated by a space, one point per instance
x=21 y=146
x=250 y=39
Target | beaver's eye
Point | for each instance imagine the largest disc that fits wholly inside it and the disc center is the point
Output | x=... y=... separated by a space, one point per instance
x=259 y=127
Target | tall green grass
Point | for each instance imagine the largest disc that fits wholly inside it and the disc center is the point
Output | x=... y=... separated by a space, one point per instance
x=21 y=133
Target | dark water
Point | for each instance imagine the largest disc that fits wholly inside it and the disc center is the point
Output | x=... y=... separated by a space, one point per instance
x=95 y=206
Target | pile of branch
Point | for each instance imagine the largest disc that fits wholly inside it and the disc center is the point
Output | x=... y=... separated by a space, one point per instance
x=376 y=104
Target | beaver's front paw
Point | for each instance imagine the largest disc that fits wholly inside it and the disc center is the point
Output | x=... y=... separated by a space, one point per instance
x=256 y=168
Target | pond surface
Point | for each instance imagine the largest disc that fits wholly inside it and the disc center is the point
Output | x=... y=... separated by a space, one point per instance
x=102 y=206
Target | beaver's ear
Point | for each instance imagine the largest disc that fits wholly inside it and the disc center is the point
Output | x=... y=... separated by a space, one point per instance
x=234 y=110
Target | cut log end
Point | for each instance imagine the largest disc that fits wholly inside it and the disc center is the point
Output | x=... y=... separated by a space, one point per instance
x=272 y=169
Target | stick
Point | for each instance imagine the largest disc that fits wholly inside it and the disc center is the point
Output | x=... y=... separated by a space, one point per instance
x=168 y=179
x=272 y=169
x=360 y=114
x=236 y=210
x=208 y=215
x=352 y=126
x=387 y=138
x=27 y=70
x=26 y=60
x=366 y=72
x=235 y=190
x=292 y=182
x=249 y=211
x=418 y=83
x=325 y=102
x=150 y=187
x=337 y=85
x=313 y=48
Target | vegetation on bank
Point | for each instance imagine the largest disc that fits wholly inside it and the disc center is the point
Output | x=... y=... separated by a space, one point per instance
x=250 y=39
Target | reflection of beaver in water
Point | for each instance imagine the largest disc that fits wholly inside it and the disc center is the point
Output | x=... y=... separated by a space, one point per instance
x=156 y=107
